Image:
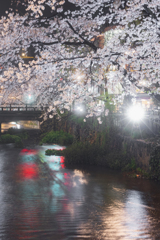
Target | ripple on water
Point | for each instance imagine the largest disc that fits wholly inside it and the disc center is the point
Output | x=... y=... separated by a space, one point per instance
x=79 y=203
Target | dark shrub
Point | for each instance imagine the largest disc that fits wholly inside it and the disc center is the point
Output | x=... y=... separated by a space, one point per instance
x=83 y=153
x=58 y=137
x=50 y=152
x=7 y=138
x=154 y=163
x=18 y=132
x=96 y=154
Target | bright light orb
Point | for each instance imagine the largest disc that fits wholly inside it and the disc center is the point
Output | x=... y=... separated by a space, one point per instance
x=18 y=126
x=135 y=113
x=29 y=98
x=79 y=109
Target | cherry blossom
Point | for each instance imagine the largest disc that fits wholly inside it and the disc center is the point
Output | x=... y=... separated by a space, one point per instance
x=80 y=50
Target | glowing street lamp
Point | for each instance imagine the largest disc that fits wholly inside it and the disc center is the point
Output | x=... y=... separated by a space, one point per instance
x=79 y=108
x=136 y=113
x=28 y=98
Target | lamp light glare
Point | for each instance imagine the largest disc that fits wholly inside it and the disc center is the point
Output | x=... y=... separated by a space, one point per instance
x=80 y=109
x=18 y=126
x=135 y=113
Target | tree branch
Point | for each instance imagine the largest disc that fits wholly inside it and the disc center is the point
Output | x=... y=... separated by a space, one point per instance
x=63 y=43
x=84 y=40
x=44 y=43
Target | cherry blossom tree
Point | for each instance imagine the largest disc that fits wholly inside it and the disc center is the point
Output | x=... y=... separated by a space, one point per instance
x=68 y=63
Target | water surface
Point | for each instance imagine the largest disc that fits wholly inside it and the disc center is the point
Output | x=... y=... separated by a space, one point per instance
x=79 y=203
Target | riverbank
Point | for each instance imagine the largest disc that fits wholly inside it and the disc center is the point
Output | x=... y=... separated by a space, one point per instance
x=33 y=138
x=130 y=156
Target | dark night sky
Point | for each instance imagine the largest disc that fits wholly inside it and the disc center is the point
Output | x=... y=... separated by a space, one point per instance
x=14 y=4
x=18 y=5
x=4 y=6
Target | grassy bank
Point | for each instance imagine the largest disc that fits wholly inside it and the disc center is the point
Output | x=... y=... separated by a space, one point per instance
x=95 y=154
x=91 y=145
x=57 y=137
x=104 y=149
x=8 y=138
x=15 y=136
x=21 y=137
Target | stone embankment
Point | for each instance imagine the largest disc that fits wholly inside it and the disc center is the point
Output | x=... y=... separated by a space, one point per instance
x=140 y=150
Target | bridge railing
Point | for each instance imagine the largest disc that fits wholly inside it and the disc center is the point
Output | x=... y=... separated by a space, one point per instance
x=21 y=108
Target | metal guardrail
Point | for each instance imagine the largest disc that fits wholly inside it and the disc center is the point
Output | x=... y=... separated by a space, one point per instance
x=21 y=108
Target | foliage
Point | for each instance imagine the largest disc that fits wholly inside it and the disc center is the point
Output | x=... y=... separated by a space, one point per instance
x=136 y=132
x=130 y=166
x=105 y=150
x=77 y=120
x=81 y=153
x=109 y=101
x=154 y=163
x=50 y=152
x=18 y=132
x=94 y=154
x=139 y=170
x=7 y=138
x=58 y=137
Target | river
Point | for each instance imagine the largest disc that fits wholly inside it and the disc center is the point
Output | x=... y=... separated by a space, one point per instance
x=79 y=203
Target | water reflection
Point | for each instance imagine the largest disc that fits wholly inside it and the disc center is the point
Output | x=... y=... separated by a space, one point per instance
x=28 y=166
x=27 y=222
x=77 y=203
x=3 y=193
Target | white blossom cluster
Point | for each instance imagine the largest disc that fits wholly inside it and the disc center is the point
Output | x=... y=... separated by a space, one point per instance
x=68 y=66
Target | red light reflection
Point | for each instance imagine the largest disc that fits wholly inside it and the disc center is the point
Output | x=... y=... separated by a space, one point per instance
x=62 y=159
x=28 y=170
x=28 y=151
x=62 y=162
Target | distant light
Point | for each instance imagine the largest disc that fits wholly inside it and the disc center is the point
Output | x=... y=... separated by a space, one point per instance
x=13 y=122
x=136 y=113
x=80 y=109
x=79 y=77
x=18 y=126
x=29 y=98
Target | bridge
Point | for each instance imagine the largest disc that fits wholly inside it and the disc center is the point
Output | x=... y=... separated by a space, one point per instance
x=12 y=113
